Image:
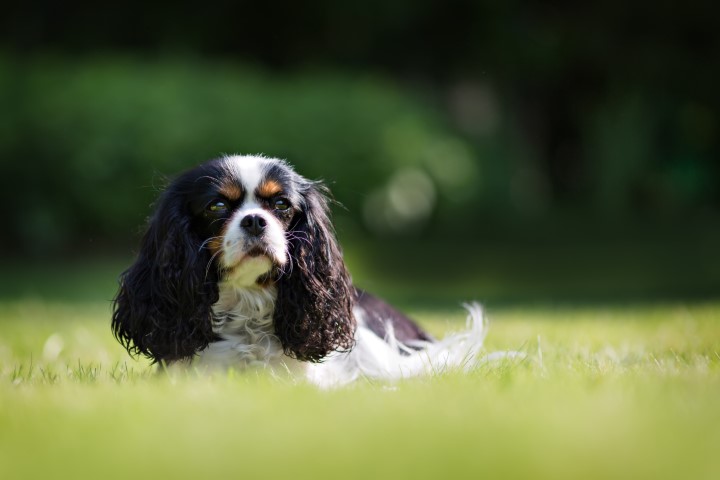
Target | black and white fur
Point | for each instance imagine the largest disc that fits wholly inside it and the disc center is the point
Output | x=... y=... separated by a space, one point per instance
x=240 y=268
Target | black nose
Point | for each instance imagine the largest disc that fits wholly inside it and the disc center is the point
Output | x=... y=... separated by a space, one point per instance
x=253 y=224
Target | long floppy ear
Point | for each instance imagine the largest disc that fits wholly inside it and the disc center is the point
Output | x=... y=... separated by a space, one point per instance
x=163 y=308
x=313 y=310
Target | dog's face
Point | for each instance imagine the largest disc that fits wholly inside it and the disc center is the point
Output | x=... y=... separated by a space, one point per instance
x=245 y=222
x=243 y=209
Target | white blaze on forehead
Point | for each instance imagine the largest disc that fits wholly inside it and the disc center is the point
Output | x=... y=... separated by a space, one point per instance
x=249 y=169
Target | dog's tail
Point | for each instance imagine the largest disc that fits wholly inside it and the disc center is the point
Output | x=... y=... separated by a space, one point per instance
x=386 y=358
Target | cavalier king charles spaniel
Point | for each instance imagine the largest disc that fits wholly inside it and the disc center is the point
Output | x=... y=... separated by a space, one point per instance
x=240 y=268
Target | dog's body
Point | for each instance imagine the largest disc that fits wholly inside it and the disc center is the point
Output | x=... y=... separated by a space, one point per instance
x=240 y=268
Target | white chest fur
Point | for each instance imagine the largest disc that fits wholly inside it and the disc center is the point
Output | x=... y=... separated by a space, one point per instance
x=243 y=319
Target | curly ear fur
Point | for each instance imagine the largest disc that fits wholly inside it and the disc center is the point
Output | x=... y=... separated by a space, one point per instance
x=313 y=312
x=163 y=308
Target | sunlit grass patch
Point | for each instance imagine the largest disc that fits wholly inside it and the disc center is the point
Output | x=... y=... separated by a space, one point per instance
x=602 y=392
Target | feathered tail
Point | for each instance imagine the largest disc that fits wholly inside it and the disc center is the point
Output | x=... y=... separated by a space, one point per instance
x=387 y=359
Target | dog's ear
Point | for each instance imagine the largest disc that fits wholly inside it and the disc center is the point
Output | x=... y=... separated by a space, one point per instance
x=163 y=307
x=313 y=311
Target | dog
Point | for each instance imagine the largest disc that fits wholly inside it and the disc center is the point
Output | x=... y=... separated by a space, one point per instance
x=239 y=268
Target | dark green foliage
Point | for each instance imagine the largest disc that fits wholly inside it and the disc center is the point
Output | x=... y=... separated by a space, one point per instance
x=87 y=144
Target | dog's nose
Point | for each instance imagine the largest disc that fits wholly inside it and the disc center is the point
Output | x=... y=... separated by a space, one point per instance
x=253 y=224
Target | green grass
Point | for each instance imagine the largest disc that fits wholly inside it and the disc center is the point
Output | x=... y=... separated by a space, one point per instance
x=605 y=392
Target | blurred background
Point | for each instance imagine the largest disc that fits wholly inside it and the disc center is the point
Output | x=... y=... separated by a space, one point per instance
x=500 y=151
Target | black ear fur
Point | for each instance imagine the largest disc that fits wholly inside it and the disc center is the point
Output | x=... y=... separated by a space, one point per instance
x=163 y=307
x=313 y=312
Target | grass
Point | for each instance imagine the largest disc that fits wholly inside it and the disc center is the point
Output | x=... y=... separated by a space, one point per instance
x=606 y=391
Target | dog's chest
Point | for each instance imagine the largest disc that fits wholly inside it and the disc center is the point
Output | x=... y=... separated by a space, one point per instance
x=243 y=319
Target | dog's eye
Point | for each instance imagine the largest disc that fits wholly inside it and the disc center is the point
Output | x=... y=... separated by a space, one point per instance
x=217 y=207
x=281 y=204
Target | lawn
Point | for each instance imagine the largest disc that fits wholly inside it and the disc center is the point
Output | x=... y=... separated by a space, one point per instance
x=605 y=391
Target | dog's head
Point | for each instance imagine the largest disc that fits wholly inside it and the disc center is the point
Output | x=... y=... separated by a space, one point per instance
x=246 y=222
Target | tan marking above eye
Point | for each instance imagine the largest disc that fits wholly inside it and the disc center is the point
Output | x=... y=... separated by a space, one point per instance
x=231 y=191
x=268 y=189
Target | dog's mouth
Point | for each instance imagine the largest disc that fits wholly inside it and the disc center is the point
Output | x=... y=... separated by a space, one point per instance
x=252 y=265
x=256 y=251
x=256 y=257
x=253 y=255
